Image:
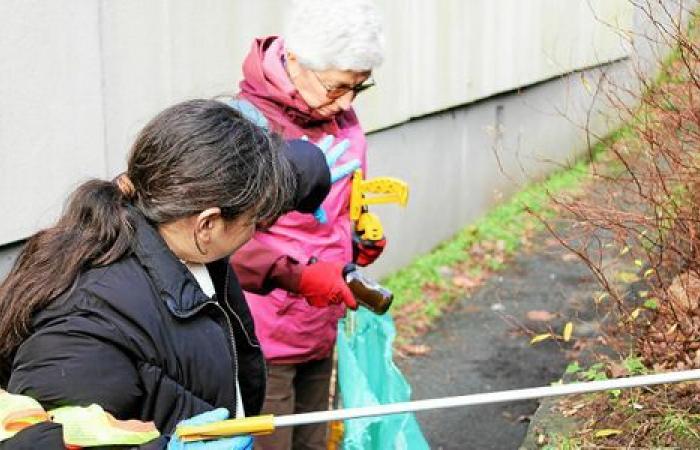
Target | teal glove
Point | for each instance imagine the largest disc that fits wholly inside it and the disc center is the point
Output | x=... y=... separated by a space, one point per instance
x=333 y=153
x=235 y=443
x=249 y=111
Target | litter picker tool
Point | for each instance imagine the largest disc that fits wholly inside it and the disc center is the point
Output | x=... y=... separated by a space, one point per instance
x=268 y=423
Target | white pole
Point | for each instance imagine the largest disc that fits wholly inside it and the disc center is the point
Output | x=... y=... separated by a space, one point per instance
x=490 y=397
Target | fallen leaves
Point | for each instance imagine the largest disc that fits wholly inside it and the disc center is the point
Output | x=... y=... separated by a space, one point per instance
x=465 y=282
x=540 y=316
x=607 y=432
x=414 y=349
x=568 y=329
x=541 y=337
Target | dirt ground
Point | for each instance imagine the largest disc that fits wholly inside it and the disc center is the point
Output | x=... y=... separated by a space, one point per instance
x=483 y=344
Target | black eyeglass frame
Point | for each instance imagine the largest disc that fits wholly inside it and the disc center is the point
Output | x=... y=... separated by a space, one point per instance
x=336 y=93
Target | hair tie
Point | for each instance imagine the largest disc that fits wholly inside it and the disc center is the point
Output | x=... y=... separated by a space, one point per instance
x=125 y=186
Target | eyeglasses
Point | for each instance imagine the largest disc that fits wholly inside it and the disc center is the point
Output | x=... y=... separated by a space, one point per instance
x=337 y=92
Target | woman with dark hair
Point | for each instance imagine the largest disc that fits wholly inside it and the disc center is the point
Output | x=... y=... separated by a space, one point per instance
x=129 y=302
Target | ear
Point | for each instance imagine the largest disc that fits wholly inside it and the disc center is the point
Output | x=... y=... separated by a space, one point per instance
x=205 y=223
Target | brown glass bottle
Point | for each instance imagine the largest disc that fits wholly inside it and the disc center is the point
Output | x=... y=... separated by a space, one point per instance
x=367 y=292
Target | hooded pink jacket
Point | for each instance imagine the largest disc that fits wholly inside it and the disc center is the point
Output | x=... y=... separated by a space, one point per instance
x=289 y=329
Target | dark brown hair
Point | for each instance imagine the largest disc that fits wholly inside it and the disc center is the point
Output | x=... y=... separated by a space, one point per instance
x=192 y=156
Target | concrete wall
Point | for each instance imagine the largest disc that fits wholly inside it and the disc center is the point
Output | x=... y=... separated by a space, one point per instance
x=78 y=78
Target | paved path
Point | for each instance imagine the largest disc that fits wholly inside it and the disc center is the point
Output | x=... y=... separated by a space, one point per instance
x=476 y=349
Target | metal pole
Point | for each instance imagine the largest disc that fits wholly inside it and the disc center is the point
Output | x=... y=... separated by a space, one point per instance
x=267 y=423
x=490 y=397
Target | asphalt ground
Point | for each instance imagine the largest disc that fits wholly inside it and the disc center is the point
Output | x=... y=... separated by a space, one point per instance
x=481 y=345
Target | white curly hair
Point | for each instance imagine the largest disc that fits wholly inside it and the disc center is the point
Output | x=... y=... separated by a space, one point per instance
x=335 y=34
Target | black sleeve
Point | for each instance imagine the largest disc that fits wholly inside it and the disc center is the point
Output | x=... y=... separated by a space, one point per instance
x=312 y=174
x=45 y=435
x=76 y=362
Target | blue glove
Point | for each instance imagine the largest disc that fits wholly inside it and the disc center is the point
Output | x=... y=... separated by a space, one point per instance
x=333 y=153
x=235 y=443
x=249 y=111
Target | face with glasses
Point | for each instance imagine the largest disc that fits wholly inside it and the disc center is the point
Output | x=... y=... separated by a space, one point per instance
x=327 y=92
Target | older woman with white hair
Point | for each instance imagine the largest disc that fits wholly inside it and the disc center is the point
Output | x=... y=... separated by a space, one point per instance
x=304 y=85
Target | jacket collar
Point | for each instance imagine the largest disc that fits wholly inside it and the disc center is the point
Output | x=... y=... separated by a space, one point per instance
x=175 y=283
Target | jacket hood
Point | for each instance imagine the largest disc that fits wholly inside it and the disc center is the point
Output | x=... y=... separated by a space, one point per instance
x=265 y=77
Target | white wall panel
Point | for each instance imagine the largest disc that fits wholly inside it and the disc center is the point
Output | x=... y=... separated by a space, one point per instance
x=51 y=128
x=447 y=53
x=79 y=78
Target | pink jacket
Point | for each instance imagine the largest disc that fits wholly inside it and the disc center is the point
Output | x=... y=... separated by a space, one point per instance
x=289 y=329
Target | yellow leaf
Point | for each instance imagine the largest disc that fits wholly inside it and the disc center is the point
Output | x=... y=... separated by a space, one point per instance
x=540 y=338
x=635 y=314
x=648 y=272
x=626 y=277
x=602 y=296
x=607 y=432
x=624 y=250
x=643 y=294
x=638 y=262
x=568 y=329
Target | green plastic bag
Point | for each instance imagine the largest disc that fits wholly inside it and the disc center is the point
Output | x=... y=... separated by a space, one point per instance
x=368 y=376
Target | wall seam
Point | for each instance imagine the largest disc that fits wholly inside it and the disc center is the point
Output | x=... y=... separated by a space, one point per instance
x=103 y=85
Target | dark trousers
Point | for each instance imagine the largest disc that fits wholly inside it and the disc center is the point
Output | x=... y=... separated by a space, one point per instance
x=297 y=388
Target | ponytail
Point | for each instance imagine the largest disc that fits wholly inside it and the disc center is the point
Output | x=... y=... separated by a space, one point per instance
x=190 y=157
x=94 y=230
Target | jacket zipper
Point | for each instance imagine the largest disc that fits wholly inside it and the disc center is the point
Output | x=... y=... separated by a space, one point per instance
x=235 y=354
x=240 y=322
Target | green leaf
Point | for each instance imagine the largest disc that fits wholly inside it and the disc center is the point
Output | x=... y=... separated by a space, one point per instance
x=634 y=366
x=651 y=303
x=573 y=367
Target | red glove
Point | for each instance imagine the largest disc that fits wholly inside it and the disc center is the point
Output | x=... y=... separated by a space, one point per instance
x=365 y=252
x=322 y=283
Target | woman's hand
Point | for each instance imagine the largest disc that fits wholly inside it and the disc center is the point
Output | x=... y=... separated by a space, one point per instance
x=216 y=415
x=333 y=153
x=322 y=283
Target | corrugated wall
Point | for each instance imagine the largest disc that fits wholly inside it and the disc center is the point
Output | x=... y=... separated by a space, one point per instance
x=78 y=78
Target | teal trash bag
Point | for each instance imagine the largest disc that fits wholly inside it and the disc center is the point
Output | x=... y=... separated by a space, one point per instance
x=368 y=376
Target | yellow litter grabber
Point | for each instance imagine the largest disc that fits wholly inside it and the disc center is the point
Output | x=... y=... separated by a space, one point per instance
x=374 y=191
x=267 y=424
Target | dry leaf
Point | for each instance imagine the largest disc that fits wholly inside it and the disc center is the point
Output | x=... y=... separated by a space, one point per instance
x=540 y=315
x=464 y=282
x=617 y=370
x=569 y=257
x=415 y=349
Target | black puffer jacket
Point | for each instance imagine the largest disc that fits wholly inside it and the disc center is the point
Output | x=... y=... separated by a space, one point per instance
x=142 y=340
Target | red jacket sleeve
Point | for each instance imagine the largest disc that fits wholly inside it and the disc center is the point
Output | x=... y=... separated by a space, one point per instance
x=260 y=269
